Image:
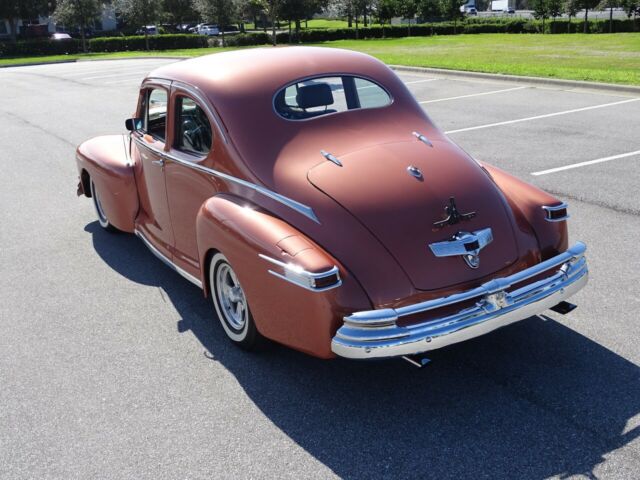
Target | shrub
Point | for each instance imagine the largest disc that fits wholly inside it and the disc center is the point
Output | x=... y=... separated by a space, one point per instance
x=246 y=39
x=156 y=42
x=41 y=46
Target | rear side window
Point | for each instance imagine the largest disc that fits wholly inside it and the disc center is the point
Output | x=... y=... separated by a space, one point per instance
x=155 y=113
x=193 y=128
x=324 y=95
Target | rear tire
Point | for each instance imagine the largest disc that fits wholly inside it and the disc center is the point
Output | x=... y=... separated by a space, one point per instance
x=97 y=205
x=231 y=304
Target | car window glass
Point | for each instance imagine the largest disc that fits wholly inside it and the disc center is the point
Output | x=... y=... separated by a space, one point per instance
x=324 y=95
x=156 y=113
x=194 y=133
x=370 y=94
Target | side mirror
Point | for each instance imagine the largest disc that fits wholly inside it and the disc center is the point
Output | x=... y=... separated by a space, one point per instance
x=133 y=124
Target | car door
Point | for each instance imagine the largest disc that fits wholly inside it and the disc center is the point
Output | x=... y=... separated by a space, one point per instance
x=194 y=146
x=153 y=221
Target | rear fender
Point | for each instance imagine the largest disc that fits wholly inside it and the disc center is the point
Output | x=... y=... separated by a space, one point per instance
x=282 y=311
x=106 y=161
x=526 y=201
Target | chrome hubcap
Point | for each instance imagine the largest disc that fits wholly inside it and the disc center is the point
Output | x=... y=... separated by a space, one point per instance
x=231 y=297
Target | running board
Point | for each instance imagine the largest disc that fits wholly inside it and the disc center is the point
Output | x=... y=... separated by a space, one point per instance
x=564 y=307
x=166 y=261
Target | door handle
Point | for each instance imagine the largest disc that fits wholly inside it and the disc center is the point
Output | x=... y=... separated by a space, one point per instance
x=158 y=162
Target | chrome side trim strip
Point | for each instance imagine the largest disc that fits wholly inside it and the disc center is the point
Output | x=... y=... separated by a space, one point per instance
x=548 y=209
x=166 y=261
x=297 y=206
x=301 y=277
x=423 y=139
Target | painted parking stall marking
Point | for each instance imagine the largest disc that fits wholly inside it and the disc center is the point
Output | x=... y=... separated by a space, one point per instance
x=588 y=162
x=471 y=95
x=548 y=115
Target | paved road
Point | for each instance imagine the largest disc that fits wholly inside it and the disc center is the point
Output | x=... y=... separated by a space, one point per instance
x=111 y=365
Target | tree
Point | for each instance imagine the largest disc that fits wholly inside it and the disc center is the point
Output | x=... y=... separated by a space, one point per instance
x=220 y=12
x=78 y=13
x=429 y=9
x=385 y=10
x=408 y=9
x=140 y=13
x=555 y=8
x=541 y=10
x=14 y=10
x=571 y=7
x=178 y=11
x=451 y=10
x=297 y=10
x=610 y=4
x=587 y=5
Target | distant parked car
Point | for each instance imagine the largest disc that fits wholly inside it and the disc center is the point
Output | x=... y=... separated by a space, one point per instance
x=149 y=30
x=60 y=36
x=472 y=11
x=509 y=10
x=196 y=28
x=210 y=30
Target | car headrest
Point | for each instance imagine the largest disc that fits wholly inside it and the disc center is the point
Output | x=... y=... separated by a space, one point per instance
x=315 y=95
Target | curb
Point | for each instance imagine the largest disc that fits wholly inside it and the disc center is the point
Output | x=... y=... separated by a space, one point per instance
x=30 y=64
x=552 y=82
x=144 y=57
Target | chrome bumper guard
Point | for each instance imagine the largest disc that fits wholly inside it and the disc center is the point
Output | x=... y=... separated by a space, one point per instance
x=376 y=334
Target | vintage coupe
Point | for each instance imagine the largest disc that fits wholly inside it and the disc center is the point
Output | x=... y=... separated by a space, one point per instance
x=310 y=196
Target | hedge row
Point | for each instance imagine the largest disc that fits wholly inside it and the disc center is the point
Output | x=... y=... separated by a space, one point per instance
x=178 y=41
x=156 y=42
x=100 y=44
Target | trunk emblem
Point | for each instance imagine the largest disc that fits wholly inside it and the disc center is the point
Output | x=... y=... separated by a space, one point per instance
x=415 y=172
x=464 y=244
x=453 y=215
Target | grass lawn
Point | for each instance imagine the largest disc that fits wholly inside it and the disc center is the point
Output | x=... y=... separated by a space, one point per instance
x=612 y=58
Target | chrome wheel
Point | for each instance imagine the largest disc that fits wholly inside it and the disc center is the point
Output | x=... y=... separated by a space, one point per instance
x=231 y=297
x=102 y=217
x=231 y=304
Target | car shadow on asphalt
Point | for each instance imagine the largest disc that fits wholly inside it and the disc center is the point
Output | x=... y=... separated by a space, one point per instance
x=532 y=400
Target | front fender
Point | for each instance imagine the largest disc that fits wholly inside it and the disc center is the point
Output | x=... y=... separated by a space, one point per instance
x=105 y=160
x=284 y=312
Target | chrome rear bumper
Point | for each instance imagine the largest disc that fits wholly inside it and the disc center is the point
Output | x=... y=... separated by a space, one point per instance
x=376 y=334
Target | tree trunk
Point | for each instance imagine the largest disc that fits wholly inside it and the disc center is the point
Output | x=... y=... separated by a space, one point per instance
x=357 y=31
x=543 y=24
x=273 y=28
x=569 y=25
x=289 y=31
x=586 y=19
x=84 y=40
x=364 y=18
x=350 y=19
x=146 y=38
x=297 y=30
x=222 y=32
x=13 y=29
x=610 y=19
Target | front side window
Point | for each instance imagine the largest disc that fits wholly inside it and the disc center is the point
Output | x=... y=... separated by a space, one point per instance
x=323 y=95
x=155 y=115
x=193 y=133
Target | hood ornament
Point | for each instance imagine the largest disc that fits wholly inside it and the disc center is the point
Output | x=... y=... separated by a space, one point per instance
x=464 y=244
x=453 y=215
x=415 y=172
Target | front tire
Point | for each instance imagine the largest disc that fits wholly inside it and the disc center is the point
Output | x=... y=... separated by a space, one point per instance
x=231 y=304
x=97 y=205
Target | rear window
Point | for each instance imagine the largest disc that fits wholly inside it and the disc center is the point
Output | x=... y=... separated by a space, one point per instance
x=319 y=96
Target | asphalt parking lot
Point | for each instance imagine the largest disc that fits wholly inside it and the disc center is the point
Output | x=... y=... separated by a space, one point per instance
x=112 y=366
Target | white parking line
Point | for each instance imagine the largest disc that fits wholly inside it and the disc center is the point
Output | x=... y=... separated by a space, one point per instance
x=128 y=74
x=472 y=95
x=509 y=122
x=583 y=164
x=132 y=81
x=421 y=81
